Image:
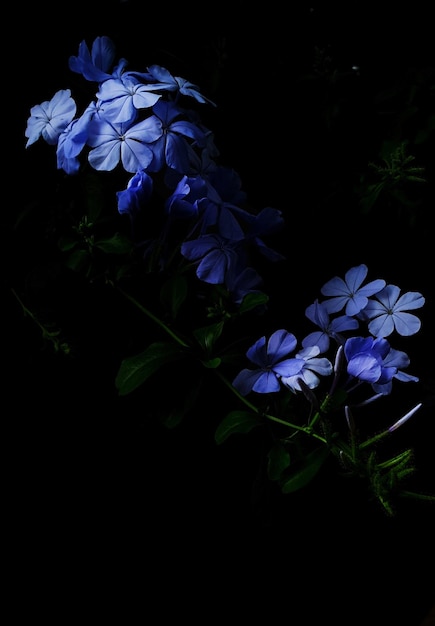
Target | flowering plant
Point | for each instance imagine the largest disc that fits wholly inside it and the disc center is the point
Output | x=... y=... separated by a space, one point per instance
x=154 y=215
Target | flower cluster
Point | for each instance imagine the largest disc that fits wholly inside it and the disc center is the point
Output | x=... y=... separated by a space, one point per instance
x=369 y=359
x=190 y=224
x=137 y=122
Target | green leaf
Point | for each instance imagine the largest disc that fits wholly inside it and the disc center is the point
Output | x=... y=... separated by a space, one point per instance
x=252 y=300
x=177 y=414
x=371 y=196
x=208 y=335
x=332 y=403
x=236 y=422
x=305 y=474
x=212 y=363
x=173 y=293
x=278 y=460
x=135 y=370
x=117 y=244
x=67 y=243
x=78 y=260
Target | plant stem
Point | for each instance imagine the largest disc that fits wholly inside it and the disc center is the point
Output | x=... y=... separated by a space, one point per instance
x=155 y=319
x=305 y=429
x=417 y=496
x=45 y=333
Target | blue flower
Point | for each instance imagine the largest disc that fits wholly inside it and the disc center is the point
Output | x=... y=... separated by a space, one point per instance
x=124 y=96
x=165 y=81
x=397 y=359
x=366 y=360
x=50 y=118
x=216 y=255
x=221 y=208
x=349 y=292
x=172 y=147
x=182 y=202
x=312 y=365
x=138 y=192
x=268 y=221
x=73 y=139
x=241 y=282
x=318 y=314
x=202 y=164
x=387 y=312
x=94 y=65
x=113 y=143
x=271 y=362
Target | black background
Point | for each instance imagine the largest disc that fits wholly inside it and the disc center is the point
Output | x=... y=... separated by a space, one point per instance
x=103 y=500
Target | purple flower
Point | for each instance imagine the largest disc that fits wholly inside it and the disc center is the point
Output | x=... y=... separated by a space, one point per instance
x=94 y=65
x=113 y=143
x=349 y=292
x=172 y=146
x=182 y=202
x=366 y=359
x=267 y=222
x=165 y=81
x=318 y=314
x=221 y=208
x=73 y=139
x=398 y=360
x=387 y=312
x=271 y=364
x=124 y=96
x=242 y=281
x=136 y=195
x=215 y=254
x=312 y=366
x=50 y=118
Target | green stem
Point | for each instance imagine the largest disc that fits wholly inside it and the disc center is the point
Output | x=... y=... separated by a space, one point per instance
x=374 y=439
x=305 y=429
x=45 y=332
x=155 y=319
x=399 y=460
x=417 y=496
x=322 y=411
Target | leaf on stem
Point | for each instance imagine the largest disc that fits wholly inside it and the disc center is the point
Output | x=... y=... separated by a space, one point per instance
x=252 y=300
x=178 y=412
x=278 y=460
x=117 y=244
x=173 y=293
x=236 y=422
x=135 y=370
x=305 y=473
x=208 y=335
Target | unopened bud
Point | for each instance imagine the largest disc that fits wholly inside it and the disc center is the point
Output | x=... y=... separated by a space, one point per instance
x=349 y=419
x=376 y=396
x=405 y=418
x=339 y=358
x=308 y=393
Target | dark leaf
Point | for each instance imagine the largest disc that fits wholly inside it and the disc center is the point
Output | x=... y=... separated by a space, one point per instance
x=208 y=335
x=236 y=422
x=252 y=300
x=305 y=473
x=278 y=460
x=135 y=370
x=173 y=293
x=118 y=244
x=177 y=414
x=77 y=260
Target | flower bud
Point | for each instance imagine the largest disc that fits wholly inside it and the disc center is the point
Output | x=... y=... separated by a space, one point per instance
x=405 y=418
